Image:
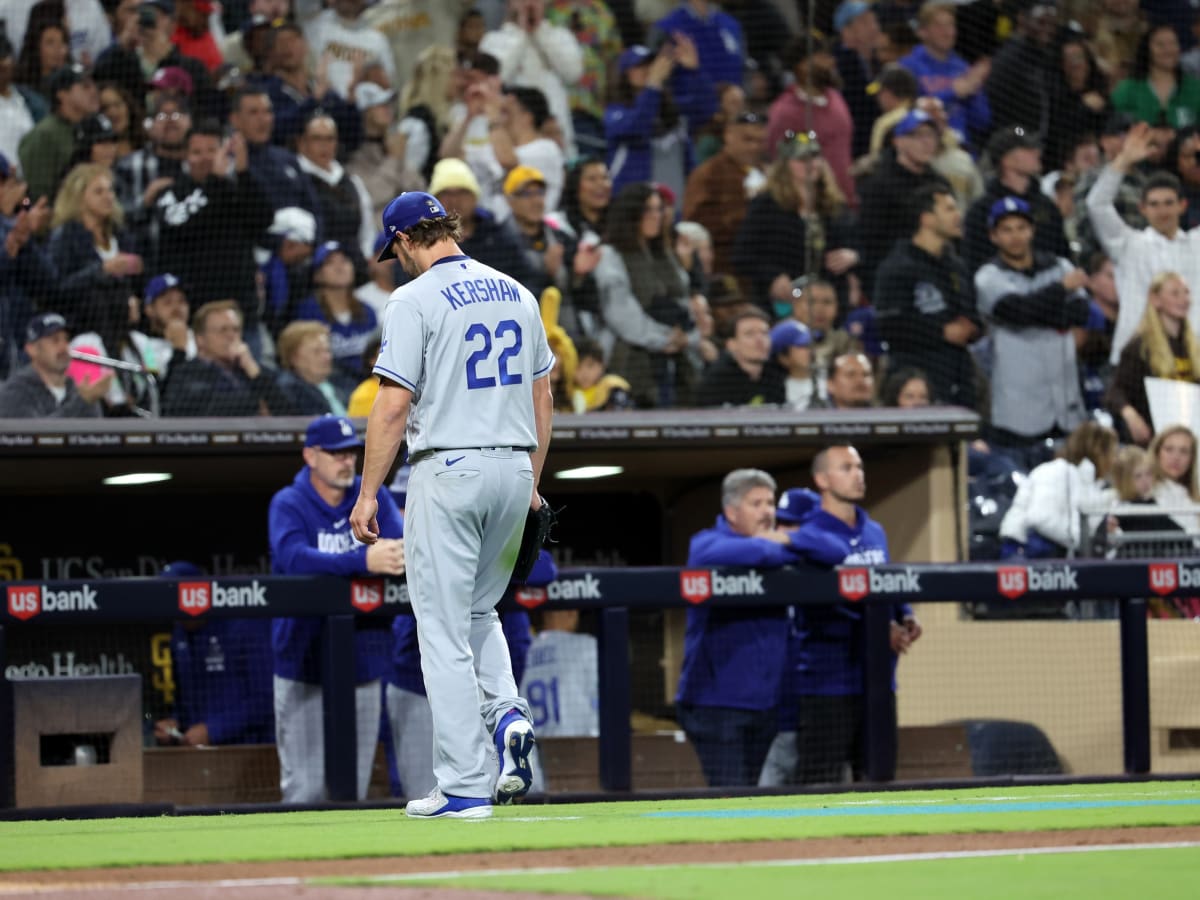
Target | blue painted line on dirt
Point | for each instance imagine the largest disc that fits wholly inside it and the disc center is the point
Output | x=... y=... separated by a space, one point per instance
x=918 y=810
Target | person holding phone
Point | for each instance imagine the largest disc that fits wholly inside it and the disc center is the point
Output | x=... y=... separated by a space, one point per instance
x=658 y=92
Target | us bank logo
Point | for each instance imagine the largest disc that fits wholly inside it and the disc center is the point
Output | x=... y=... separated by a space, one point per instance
x=11 y=568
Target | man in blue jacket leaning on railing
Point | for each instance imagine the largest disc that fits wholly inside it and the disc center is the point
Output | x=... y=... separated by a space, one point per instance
x=733 y=657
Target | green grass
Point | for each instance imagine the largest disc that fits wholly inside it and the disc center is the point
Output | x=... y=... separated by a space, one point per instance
x=362 y=833
x=1168 y=874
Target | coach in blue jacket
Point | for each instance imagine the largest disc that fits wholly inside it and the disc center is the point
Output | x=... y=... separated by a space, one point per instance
x=310 y=535
x=827 y=654
x=733 y=656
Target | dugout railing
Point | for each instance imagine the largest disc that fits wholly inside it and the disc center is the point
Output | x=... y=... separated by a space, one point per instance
x=613 y=594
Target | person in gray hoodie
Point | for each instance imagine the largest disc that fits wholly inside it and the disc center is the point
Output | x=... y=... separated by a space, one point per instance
x=1031 y=300
x=42 y=388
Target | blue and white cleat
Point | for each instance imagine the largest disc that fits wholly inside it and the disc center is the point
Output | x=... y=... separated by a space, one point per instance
x=440 y=806
x=514 y=742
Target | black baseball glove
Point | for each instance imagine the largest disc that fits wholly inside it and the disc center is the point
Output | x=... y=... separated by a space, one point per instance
x=536 y=535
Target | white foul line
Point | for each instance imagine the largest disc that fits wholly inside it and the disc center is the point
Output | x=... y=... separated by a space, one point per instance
x=810 y=861
x=453 y=874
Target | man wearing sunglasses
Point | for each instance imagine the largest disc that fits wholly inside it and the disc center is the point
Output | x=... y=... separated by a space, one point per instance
x=310 y=535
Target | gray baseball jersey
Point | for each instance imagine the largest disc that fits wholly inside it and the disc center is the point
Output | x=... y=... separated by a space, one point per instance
x=562 y=684
x=468 y=341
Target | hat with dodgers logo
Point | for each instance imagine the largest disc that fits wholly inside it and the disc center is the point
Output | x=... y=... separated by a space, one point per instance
x=159 y=285
x=331 y=432
x=406 y=211
x=795 y=505
x=1008 y=206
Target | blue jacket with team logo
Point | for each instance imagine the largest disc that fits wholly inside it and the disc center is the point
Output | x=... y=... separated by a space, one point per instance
x=734 y=657
x=825 y=642
x=405 y=671
x=310 y=537
x=222 y=679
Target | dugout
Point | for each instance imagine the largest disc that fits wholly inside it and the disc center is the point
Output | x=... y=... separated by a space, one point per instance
x=220 y=475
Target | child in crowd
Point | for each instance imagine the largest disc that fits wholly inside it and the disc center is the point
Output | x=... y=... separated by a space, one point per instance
x=596 y=389
x=792 y=351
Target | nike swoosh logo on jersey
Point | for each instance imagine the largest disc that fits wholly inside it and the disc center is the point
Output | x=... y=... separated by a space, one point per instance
x=451 y=462
x=339 y=523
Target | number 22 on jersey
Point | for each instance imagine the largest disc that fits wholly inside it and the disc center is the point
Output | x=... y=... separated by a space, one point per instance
x=480 y=366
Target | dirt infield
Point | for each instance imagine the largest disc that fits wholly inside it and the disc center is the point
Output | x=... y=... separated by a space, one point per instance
x=276 y=880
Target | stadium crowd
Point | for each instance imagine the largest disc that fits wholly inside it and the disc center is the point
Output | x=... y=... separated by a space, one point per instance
x=988 y=204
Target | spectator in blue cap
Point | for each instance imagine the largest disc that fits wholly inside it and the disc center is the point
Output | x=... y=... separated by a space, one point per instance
x=351 y=323
x=791 y=350
x=42 y=388
x=1032 y=300
x=903 y=168
x=646 y=126
x=1016 y=155
x=166 y=337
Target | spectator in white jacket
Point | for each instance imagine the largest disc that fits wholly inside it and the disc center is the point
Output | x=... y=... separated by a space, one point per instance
x=1044 y=519
x=533 y=53
x=351 y=45
x=1174 y=453
x=1140 y=254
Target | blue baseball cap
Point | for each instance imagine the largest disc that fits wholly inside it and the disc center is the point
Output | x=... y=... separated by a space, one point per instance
x=43 y=325
x=795 y=505
x=180 y=568
x=406 y=211
x=789 y=333
x=159 y=285
x=912 y=121
x=381 y=241
x=5 y=166
x=847 y=12
x=637 y=55
x=325 y=251
x=330 y=432
x=1008 y=206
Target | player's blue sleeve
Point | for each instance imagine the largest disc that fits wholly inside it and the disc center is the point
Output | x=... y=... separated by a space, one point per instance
x=818 y=545
x=695 y=96
x=716 y=547
x=391 y=522
x=294 y=554
x=979 y=113
x=519 y=635
x=623 y=123
x=544 y=570
x=402 y=350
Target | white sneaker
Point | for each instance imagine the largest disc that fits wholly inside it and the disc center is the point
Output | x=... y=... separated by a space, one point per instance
x=514 y=743
x=439 y=806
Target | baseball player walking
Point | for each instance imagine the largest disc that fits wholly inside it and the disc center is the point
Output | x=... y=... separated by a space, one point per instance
x=463 y=369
